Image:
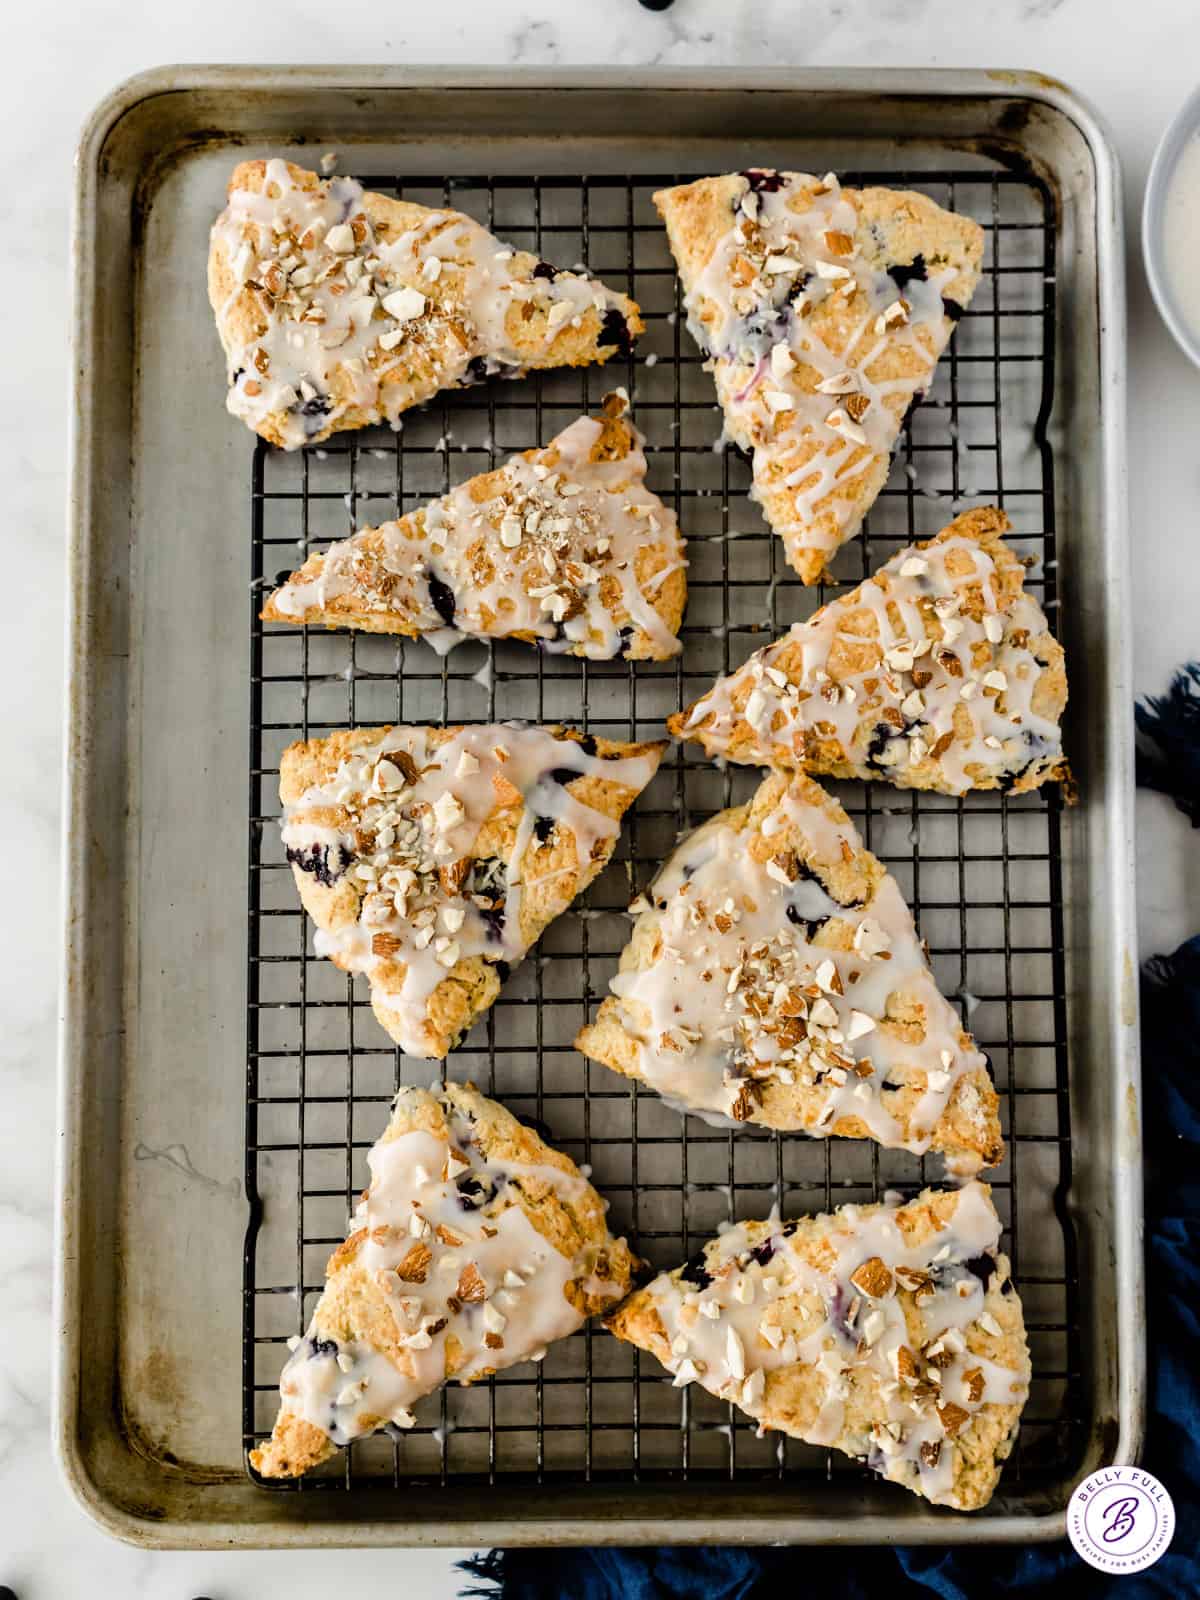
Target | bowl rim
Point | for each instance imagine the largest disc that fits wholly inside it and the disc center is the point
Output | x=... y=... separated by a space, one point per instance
x=1184 y=124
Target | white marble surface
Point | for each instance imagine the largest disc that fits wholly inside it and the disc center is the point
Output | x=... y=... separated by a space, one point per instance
x=60 y=59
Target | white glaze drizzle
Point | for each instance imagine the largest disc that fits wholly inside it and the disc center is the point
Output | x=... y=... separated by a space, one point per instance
x=738 y=997
x=751 y=308
x=732 y=1333
x=339 y=301
x=937 y=662
x=530 y=558
x=413 y=810
x=452 y=1265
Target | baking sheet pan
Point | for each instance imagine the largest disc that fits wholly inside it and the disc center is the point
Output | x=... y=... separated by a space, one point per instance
x=154 y=1209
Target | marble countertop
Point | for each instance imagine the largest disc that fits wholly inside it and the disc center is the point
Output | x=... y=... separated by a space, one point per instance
x=62 y=60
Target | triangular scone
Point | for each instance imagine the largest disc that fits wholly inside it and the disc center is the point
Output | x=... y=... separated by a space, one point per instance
x=338 y=308
x=564 y=547
x=892 y=1333
x=775 y=976
x=940 y=672
x=432 y=858
x=824 y=311
x=475 y=1247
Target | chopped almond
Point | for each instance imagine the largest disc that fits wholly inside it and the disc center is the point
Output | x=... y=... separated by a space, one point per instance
x=912 y=1277
x=873 y=1278
x=408 y=767
x=952 y=1417
x=507 y=794
x=471 y=1287
x=858 y=405
x=743 y=1107
x=455 y=875
x=975 y=1385
x=413 y=1268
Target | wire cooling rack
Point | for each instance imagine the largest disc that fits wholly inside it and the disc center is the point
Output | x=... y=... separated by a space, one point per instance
x=982 y=874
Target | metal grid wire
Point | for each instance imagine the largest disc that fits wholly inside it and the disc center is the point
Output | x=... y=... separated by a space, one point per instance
x=982 y=873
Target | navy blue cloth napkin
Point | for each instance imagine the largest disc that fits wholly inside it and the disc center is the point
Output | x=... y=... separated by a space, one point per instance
x=1169 y=760
x=1168 y=741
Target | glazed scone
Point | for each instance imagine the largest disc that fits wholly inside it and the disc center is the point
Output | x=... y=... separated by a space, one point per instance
x=890 y=1332
x=474 y=1248
x=774 y=976
x=431 y=859
x=940 y=672
x=338 y=308
x=823 y=311
x=563 y=547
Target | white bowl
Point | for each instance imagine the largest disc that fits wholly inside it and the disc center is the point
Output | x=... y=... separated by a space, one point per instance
x=1183 y=127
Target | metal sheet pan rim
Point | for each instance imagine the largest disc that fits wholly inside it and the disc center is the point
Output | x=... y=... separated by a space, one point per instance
x=73 y=1037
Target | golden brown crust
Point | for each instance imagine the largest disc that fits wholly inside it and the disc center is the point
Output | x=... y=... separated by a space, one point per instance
x=295 y=1447
x=892 y=226
x=968 y=1129
x=793 y=1393
x=816 y=748
x=559 y=873
x=243 y=312
x=358 y=1312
